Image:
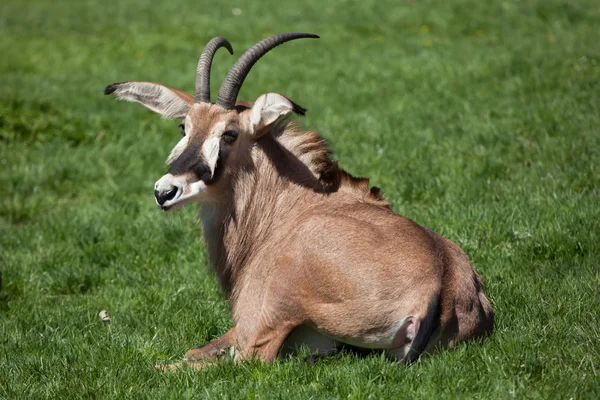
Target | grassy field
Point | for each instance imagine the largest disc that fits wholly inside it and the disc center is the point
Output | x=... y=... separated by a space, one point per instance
x=479 y=120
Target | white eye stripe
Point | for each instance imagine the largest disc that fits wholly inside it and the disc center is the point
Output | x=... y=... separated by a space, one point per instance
x=211 y=147
x=210 y=150
x=188 y=126
x=183 y=142
x=178 y=149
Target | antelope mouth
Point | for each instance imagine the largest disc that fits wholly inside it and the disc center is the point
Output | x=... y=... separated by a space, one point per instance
x=166 y=208
x=175 y=191
x=170 y=204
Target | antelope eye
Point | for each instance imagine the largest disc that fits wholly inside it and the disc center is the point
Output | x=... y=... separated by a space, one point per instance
x=230 y=136
x=182 y=127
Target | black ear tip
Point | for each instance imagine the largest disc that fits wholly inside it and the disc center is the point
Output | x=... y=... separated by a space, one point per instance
x=298 y=109
x=110 y=89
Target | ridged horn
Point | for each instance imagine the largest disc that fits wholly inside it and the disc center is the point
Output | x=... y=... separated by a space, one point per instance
x=204 y=64
x=235 y=77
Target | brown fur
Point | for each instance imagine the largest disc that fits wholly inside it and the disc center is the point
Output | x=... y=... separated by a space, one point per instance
x=309 y=254
x=296 y=241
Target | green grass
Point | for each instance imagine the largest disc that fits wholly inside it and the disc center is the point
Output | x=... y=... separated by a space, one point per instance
x=479 y=120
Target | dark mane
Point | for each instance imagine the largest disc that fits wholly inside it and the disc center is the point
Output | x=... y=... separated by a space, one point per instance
x=312 y=150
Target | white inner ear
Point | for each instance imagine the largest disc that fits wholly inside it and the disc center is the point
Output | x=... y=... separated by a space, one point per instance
x=211 y=146
x=157 y=98
x=267 y=109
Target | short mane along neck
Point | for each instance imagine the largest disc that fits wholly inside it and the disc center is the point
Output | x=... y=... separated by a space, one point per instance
x=290 y=171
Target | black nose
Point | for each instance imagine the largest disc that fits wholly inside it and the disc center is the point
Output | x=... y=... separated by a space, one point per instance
x=163 y=196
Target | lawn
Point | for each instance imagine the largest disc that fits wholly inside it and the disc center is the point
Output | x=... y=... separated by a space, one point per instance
x=479 y=120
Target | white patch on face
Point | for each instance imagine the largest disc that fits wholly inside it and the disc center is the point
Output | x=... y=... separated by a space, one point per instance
x=211 y=146
x=188 y=189
x=177 y=150
x=188 y=126
x=181 y=145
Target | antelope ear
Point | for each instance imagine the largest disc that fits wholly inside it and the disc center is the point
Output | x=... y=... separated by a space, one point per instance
x=166 y=101
x=268 y=107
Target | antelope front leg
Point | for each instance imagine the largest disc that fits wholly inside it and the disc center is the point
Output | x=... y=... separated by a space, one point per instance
x=265 y=343
x=213 y=349
x=209 y=353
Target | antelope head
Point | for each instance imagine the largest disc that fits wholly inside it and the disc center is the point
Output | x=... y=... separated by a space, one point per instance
x=217 y=138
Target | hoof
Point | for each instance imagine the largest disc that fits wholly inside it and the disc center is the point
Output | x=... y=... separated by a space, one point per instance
x=195 y=353
x=204 y=352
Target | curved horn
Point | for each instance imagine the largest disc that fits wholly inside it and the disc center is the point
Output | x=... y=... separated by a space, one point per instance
x=203 y=70
x=236 y=75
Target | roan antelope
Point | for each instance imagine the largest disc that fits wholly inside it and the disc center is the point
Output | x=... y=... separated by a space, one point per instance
x=305 y=252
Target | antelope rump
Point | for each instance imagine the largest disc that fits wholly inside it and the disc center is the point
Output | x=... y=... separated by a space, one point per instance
x=306 y=253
